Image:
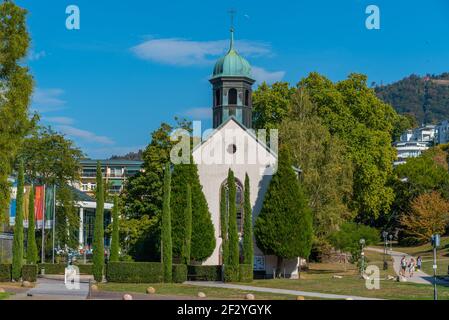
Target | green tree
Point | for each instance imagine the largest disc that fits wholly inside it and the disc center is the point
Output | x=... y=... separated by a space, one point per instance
x=16 y=87
x=17 y=248
x=98 y=241
x=31 y=239
x=167 y=249
x=115 y=232
x=248 y=249
x=284 y=225
x=203 y=237
x=186 y=248
x=233 y=237
x=224 y=226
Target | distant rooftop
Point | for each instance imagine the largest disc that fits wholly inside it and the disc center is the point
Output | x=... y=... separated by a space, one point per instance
x=111 y=162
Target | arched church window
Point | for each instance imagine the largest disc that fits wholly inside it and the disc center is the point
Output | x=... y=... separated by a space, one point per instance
x=217 y=97
x=247 y=98
x=238 y=202
x=232 y=99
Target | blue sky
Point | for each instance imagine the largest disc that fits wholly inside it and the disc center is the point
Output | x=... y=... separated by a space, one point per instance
x=134 y=64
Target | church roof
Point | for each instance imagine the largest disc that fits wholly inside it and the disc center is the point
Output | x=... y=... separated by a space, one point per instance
x=232 y=64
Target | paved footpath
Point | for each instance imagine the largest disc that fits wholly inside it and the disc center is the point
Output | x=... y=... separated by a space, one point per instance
x=52 y=289
x=278 y=291
x=418 y=277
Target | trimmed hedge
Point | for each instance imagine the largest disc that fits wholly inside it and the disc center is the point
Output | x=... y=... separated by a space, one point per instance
x=179 y=273
x=29 y=272
x=85 y=268
x=231 y=273
x=205 y=273
x=52 y=268
x=5 y=272
x=245 y=273
x=135 y=272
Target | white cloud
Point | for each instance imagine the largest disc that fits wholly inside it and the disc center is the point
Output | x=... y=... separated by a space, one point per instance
x=59 y=120
x=84 y=134
x=199 y=113
x=175 y=51
x=34 y=56
x=45 y=100
x=261 y=75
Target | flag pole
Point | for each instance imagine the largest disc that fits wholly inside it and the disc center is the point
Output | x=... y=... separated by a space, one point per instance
x=43 y=229
x=54 y=222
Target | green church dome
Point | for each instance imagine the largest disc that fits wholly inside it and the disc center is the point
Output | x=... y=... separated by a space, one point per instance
x=232 y=64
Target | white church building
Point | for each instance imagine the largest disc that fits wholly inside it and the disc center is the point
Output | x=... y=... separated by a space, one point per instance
x=234 y=145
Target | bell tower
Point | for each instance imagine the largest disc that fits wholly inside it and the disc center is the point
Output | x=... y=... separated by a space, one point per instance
x=232 y=88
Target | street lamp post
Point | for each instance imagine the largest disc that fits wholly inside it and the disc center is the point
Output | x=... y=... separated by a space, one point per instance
x=435 y=243
x=385 y=235
x=362 y=256
x=391 y=242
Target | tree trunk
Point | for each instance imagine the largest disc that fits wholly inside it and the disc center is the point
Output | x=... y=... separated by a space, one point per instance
x=280 y=261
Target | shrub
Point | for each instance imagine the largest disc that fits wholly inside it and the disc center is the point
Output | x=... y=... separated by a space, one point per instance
x=85 y=268
x=5 y=272
x=179 y=273
x=231 y=273
x=52 y=268
x=135 y=272
x=245 y=273
x=206 y=273
x=29 y=272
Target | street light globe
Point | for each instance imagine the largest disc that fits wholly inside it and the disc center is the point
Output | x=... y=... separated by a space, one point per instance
x=362 y=241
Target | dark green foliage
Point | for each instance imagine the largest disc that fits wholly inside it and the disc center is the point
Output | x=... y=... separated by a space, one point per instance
x=29 y=272
x=31 y=239
x=16 y=85
x=204 y=273
x=59 y=268
x=248 y=248
x=85 y=268
x=427 y=99
x=115 y=232
x=203 y=237
x=347 y=239
x=98 y=242
x=186 y=247
x=179 y=273
x=167 y=253
x=231 y=273
x=17 y=247
x=5 y=272
x=284 y=225
x=224 y=226
x=135 y=272
x=233 y=237
x=246 y=273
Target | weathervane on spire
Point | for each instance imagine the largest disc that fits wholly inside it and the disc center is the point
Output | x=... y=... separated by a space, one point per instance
x=232 y=13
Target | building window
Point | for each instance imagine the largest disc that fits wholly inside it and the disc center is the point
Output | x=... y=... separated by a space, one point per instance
x=217 y=97
x=247 y=98
x=232 y=100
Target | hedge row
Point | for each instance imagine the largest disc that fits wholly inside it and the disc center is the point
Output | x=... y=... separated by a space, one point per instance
x=135 y=272
x=59 y=268
x=231 y=273
x=179 y=273
x=29 y=272
x=206 y=273
x=5 y=272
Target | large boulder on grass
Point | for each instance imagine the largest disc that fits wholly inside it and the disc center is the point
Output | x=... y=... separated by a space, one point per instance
x=300 y=298
x=151 y=290
x=2 y=290
x=201 y=295
x=250 y=296
x=127 y=297
x=26 y=284
x=94 y=287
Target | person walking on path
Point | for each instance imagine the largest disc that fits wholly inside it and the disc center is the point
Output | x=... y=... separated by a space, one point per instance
x=419 y=263
x=403 y=266
x=411 y=267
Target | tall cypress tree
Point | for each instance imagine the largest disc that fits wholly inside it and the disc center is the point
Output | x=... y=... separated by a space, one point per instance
x=248 y=249
x=284 y=226
x=167 y=252
x=17 y=248
x=98 y=242
x=188 y=233
x=31 y=239
x=232 y=222
x=224 y=226
x=115 y=232
x=203 y=235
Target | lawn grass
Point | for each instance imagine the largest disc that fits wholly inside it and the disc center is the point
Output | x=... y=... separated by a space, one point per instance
x=319 y=279
x=4 y=295
x=189 y=291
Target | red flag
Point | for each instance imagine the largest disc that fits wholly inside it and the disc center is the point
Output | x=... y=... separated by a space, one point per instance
x=39 y=204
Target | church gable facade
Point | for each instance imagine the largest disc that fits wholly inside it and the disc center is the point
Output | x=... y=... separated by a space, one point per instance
x=234 y=145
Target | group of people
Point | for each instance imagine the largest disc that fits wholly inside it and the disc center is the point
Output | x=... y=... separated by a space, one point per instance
x=411 y=265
